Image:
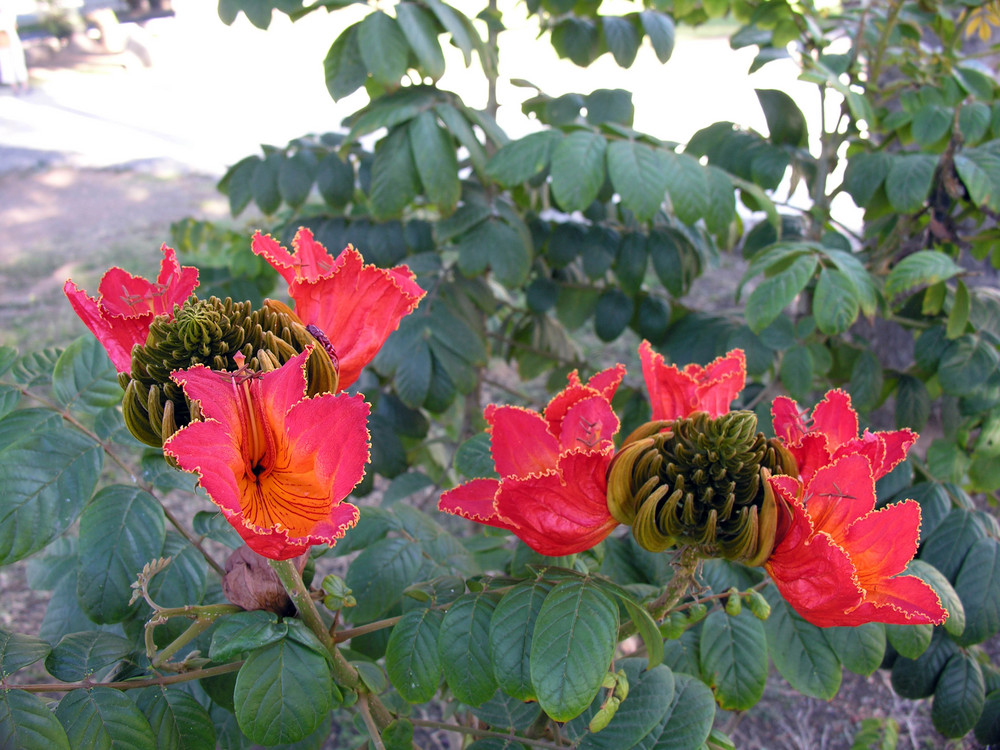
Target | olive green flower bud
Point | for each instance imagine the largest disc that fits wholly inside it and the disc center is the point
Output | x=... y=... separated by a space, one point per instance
x=702 y=482
x=211 y=332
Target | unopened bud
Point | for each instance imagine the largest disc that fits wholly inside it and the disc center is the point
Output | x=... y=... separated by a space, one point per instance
x=760 y=607
x=733 y=605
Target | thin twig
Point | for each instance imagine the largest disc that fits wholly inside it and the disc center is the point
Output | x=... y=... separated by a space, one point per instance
x=482 y=733
x=58 y=687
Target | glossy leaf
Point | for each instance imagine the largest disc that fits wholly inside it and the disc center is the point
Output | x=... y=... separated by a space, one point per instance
x=650 y=698
x=46 y=478
x=104 y=719
x=17 y=651
x=437 y=165
x=518 y=161
x=785 y=122
x=242 y=632
x=776 y=292
x=578 y=169
x=860 y=649
x=687 y=185
x=688 y=720
x=464 y=647
x=411 y=657
x=26 y=722
x=84 y=377
x=395 y=181
x=920 y=269
x=121 y=530
x=383 y=47
x=910 y=641
x=419 y=28
x=835 y=303
x=177 y=719
x=571 y=649
x=344 y=70
x=638 y=175
x=511 y=630
x=917 y=678
x=79 y=655
x=978 y=586
x=283 y=693
x=959 y=696
x=733 y=658
x=379 y=574
x=950 y=599
x=800 y=651
x=622 y=39
x=659 y=27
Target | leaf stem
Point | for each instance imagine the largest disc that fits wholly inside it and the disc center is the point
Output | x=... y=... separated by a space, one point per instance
x=58 y=687
x=482 y=733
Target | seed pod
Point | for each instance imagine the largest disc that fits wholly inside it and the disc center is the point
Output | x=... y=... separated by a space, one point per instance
x=760 y=606
x=733 y=604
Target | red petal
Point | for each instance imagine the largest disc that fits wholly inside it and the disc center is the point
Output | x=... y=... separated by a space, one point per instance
x=884 y=449
x=816 y=578
x=587 y=424
x=521 y=442
x=903 y=600
x=176 y=282
x=810 y=454
x=835 y=418
x=607 y=381
x=475 y=501
x=129 y=296
x=117 y=335
x=883 y=542
x=562 y=511
x=839 y=494
x=280 y=259
x=209 y=450
x=671 y=392
x=788 y=420
x=604 y=383
x=720 y=383
x=357 y=306
x=277 y=545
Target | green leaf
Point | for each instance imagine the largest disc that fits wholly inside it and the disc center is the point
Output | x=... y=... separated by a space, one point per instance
x=26 y=722
x=384 y=48
x=835 y=303
x=464 y=647
x=930 y=124
x=79 y=655
x=184 y=582
x=578 y=39
x=609 y=106
x=950 y=542
x=242 y=632
x=503 y=712
x=622 y=39
x=264 y=184
x=379 y=574
x=578 y=169
x=496 y=244
x=612 y=314
x=121 y=530
x=283 y=693
x=860 y=649
x=18 y=651
x=421 y=33
x=511 y=629
x=775 y=293
x=865 y=174
x=296 y=175
x=335 y=180
x=982 y=189
x=785 y=121
x=978 y=586
x=46 y=480
x=686 y=184
x=913 y=403
x=733 y=658
x=395 y=181
x=650 y=697
x=922 y=268
x=659 y=27
x=177 y=719
x=572 y=645
x=474 y=459
x=84 y=377
x=104 y=719
x=437 y=164
x=910 y=641
x=344 y=69
x=866 y=382
x=638 y=175
x=721 y=209
x=413 y=375
x=909 y=181
x=959 y=696
x=987 y=729
x=688 y=720
x=630 y=265
x=411 y=656
x=800 y=651
x=452 y=22
x=796 y=371
x=958 y=317
x=966 y=364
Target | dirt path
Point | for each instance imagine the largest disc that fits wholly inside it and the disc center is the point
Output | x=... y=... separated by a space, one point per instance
x=59 y=223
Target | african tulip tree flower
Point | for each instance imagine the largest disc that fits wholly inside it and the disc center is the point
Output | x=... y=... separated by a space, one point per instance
x=355 y=306
x=278 y=464
x=122 y=312
x=839 y=561
x=677 y=393
x=831 y=432
x=552 y=466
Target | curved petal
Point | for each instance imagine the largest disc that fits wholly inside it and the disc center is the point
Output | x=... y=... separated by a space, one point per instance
x=356 y=306
x=117 y=335
x=788 y=420
x=884 y=449
x=588 y=424
x=811 y=453
x=604 y=383
x=277 y=545
x=671 y=392
x=562 y=511
x=280 y=259
x=208 y=450
x=177 y=282
x=521 y=442
x=215 y=392
x=474 y=501
x=130 y=296
x=839 y=495
x=835 y=417
x=903 y=600
x=883 y=542
x=720 y=383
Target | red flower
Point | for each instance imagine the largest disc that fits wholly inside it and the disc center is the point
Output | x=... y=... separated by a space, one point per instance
x=276 y=463
x=840 y=559
x=354 y=305
x=552 y=466
x=675 y=393
x=832 y=432
x=125 y=306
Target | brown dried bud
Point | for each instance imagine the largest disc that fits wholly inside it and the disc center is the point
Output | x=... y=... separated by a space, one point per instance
x=250 y=582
